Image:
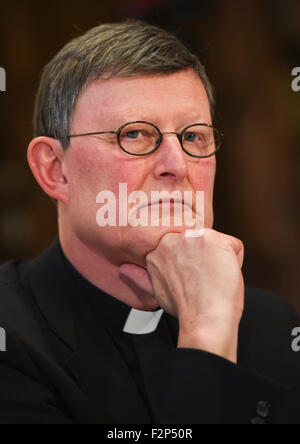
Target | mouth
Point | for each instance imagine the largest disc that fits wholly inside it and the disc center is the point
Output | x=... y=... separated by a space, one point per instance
x=171 y=202
x=166 y=210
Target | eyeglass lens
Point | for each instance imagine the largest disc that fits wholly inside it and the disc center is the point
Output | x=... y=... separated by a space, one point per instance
x=143 y=138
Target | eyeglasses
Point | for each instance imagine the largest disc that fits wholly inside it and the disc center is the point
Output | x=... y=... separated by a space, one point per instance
x=142 y=138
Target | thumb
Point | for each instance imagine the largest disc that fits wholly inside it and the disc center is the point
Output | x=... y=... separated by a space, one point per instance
x=138 y=276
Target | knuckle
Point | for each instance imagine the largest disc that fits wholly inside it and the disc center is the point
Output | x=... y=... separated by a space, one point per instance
x=207 y=236
x=239 y=244
x=168 y=240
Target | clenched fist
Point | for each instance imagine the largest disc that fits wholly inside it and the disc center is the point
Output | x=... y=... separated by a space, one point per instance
x=199 y=281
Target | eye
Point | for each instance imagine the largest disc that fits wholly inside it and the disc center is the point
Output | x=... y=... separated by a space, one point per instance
x=190 y=137
x=134 y=134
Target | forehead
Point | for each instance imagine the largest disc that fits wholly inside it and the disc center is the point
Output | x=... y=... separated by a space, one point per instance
x=179 y=98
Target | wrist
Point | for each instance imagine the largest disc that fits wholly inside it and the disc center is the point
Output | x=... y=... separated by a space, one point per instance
x=218 y=339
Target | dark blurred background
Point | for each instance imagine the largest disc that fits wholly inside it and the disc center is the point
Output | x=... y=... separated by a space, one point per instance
x=249 y=48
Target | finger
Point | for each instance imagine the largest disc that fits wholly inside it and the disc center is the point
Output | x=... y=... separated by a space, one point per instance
x=138 y=276
x=241 y=255
x=238 y=248
x=234 y=243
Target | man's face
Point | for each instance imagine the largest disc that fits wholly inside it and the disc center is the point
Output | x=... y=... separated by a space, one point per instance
x=96 y=163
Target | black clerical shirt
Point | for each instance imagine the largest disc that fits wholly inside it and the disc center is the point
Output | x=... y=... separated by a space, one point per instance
x=113 y=314
x=68 y=360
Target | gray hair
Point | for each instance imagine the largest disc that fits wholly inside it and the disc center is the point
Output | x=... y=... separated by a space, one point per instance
x=126 y=49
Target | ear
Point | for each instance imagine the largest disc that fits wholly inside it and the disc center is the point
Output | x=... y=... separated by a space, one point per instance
x=45 y=157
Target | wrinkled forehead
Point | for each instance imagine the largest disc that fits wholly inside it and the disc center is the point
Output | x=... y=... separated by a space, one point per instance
x=179 y=98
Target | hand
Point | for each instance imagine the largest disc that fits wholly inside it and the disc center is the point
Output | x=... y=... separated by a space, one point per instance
x=199 y=281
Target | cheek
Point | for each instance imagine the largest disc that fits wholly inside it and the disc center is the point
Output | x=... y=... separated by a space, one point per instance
x=203 y=176
x=98 y=170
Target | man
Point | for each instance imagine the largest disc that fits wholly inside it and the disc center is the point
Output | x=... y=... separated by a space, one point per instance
x=125 y=322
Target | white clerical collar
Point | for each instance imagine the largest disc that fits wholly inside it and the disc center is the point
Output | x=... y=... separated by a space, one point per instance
x=142 y=322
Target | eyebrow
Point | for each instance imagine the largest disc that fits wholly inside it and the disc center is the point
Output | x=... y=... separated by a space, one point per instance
x=157 y=121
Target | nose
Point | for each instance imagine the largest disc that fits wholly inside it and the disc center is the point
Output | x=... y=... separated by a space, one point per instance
x=170 y=159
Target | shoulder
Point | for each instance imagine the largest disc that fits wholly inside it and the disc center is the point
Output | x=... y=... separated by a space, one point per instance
x=265 y=337
x=11 y=289
x=11 y=286
x=20 y=316
x=8 y=273
x=265 y=306
x=30 y=375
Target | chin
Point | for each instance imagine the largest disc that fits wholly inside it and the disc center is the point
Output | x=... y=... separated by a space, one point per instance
x=146 y=304
x=146 y=239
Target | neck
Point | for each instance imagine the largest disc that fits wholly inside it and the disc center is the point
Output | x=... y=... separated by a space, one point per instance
x=102 y=273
